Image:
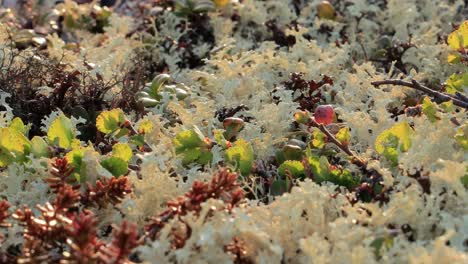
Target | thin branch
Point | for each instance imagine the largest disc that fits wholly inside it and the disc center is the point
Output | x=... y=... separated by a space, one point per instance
x=458 y=100
x=343 y=147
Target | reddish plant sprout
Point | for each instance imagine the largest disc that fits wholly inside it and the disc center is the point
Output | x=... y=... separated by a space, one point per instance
x=4 y=214
x=41 y=234
x=67 y=197
x=61 y=172
x=310 y=93
x=82 y=239
x=223 y=186
x=238 y=249
x=125 y=239
x=56 y=234
x=106 y=191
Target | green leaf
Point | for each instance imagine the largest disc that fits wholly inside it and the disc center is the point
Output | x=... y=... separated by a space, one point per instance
x=454 y=58
x=379 y=243
x=219 y=138
x=122 y=151
x=14 y=146
x=462 y=136
x=138 y=140
x=75 y=158
x=18 y=125
x=464 y=180
x=301 y=117
x=61 y=132
x=110 y=121
x=232 y=125
x=429 y=109
x=116 y=166
x=279 y=187
x=193 y=147
x=394 y=140
x=186 y=140
x=296 y=168
x=319 y=140
x=457 y=83
x=292 y=152
x=156 y=84
x=343 y=136
x=448 y=106
x=342 y=178
x=241 y=155
x=39 y=147
x=316 y=168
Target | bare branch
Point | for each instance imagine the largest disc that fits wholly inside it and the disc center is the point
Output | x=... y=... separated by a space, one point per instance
x=345 y=148
x=459 y=100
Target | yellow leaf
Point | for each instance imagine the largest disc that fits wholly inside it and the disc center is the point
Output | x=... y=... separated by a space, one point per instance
x=453 y=58
x=109 y=121
x=145 y=126
x=122 y=151
x=14 y=146
x=61 y=132
x=459 y=38
x=221 y=3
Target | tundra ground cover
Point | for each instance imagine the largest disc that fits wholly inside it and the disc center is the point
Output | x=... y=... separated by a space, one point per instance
x=206 y=131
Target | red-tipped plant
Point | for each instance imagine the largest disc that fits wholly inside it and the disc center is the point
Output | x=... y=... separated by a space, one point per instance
x=223 y=186
x=106 y=191
x=125 y=239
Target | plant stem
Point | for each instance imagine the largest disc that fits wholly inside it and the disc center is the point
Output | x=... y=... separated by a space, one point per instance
x=459 y=100
x=345 y=148
x=133 y=131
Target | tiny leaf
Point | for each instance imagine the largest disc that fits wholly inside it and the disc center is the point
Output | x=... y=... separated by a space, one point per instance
x=241 y=155
x=296 y=168
x=457 y=83
x=320 y=139
x=394 y=140
x=145 y=126
x=116 y=166
x=462 y=136
x=343 y=136
x=429 y=109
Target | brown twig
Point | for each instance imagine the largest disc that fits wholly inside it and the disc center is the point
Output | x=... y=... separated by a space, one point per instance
x=133 y=131
x=343 y=147
x=458 y=101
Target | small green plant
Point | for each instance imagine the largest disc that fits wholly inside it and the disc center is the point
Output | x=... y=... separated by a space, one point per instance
x=187 y=7
x=193 y=146
x=458 y=42
x=241 y=155
x=154 y=92
x=393 y=141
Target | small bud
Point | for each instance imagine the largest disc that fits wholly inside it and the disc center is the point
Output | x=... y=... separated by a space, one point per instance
x=324 y=114
x=232 y=125
x=148 y=102
x=301 y=117
x=292 y=152
x=325 y=10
